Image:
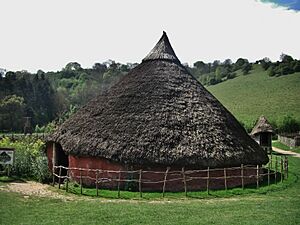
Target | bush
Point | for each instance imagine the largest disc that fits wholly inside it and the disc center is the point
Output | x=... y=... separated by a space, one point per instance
x=30 y=159
x=288 y=124
x=50 y=127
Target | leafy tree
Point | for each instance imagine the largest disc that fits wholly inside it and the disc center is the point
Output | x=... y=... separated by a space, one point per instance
x=12 y=113
x=272 y=71
x=72 y=66
x=296 y=67
x=246 y=68
x=100 y=68
x=239 y=63
x=219 y=74
x=227 y=62
x=286 y=58
x=265 y=63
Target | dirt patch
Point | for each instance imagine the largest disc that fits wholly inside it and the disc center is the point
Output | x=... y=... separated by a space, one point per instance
x=31 y=188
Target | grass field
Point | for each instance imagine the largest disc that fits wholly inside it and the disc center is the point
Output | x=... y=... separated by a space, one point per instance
x=278 y=205
x=249 y=96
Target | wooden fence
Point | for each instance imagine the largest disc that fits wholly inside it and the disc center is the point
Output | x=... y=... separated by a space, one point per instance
x=276 y=168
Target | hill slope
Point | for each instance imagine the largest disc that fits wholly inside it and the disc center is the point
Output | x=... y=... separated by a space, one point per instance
x=255 y=94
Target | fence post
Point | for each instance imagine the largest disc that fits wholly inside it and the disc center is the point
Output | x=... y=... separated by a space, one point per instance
x=97 y=174
x=225 y=179
x=242 y=175
x=184 y=181
x=8 y=170
x=80 y=181
x=53 y=176
x=275 y=170
x=287 y=167
x=269 y=175
x=67 y=183
x=271 y=159
x=281 y=169
x=140 y=183
x=119 y=178
x=165 y=180
x=59 y=174
x=207 y=181
x=257 y=176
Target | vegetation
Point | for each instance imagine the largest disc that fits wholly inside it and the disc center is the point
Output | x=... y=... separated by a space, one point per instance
x=44 y=97
x=278 y=144
x=30 y=159
x=268 y=206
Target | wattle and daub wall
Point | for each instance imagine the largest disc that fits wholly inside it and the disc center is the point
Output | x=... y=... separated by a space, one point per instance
x=151 y=173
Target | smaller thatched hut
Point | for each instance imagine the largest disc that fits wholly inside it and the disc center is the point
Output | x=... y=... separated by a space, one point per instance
x=262 y=133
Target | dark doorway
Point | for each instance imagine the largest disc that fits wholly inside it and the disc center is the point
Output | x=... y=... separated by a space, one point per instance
x=264 y=139
x=61 y=159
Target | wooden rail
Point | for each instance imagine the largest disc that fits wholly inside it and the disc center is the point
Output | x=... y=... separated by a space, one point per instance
x=185 y=176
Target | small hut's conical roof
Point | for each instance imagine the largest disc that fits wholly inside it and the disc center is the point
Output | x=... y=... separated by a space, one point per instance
x=262 y=125
x=159 y=114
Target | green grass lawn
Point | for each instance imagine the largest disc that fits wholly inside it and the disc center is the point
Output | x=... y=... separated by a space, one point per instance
x=250 y=96
x=278 y=144
x=277 y=204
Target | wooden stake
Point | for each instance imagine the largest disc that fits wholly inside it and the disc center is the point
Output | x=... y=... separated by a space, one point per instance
x=97 y=191
x=207 y=181
x=119 y=178
x=225 y=179
x=67 y=182
x=59 y=177
x=184 y=181
x=53 y=176
x=257 y=176
x=268 y=175
x=271 y=159
x=242 y=175
x=287 y=167
x=281 y=169
x=8 y=170
x=80 y=181
x=140 y=184
x=165 y=180
x=275 y=170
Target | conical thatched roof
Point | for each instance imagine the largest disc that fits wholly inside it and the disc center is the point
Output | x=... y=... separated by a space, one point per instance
x=262 y=125
x=159 y=113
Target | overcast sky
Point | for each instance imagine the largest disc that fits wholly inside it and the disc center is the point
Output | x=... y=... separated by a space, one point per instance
x=47 y=34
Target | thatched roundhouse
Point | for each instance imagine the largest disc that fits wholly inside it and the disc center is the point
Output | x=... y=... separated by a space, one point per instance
x=262 y=133
x=157 y=116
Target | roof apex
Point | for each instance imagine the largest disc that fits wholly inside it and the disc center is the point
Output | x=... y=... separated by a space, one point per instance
x=162 y=50
x=262 y=125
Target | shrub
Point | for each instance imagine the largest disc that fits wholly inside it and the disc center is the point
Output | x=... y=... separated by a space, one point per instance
x=30 y=159
x=50 y=127
x=288 y=124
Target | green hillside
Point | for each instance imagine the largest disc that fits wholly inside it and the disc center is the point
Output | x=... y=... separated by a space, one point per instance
x=255 y=94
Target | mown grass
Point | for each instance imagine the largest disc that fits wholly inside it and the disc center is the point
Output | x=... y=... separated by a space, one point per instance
x=278 y=144
x=277 y=204
x=250 y=96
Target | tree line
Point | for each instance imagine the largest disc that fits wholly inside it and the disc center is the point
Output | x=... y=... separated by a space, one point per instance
x=217 y=71
x=32 y=100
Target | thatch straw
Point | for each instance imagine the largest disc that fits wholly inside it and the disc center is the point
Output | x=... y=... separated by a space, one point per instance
x=262 y=126
x=159 y=113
